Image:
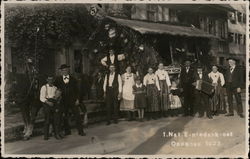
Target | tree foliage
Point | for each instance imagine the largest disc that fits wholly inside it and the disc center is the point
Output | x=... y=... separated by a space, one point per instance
x=50 y=25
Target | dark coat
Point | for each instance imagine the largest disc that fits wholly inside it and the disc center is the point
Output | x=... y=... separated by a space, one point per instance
x=70 y=91
x=186 y=78
x=204 y=77
x=237 y=78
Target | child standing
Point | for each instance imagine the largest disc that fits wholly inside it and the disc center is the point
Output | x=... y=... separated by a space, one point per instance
x=140 y=98
x=175 y=102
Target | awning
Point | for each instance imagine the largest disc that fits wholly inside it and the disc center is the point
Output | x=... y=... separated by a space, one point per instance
x=157 y=28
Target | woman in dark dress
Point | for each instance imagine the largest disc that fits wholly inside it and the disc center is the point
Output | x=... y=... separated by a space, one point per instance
x=140 y=98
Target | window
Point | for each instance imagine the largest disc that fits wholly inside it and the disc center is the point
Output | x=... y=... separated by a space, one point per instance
x=244 y=18
x=173 y=15
x=232 y=17
x=231 y=37
x=239 y=14
x=235 y=38
x=152 y=12
x=239 y=39
x=221 y=60
x=78 y=61
x=244 y=39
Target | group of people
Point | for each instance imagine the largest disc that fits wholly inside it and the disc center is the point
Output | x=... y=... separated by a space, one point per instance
x=154 y=95
x=158 y=94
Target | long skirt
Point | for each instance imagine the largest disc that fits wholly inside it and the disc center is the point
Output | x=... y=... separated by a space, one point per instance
x=164 y=97
x=152 y=98
x=127 y=102
x=218 y=99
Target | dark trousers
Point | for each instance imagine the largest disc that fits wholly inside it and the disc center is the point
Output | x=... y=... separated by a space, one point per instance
x=66 y=117
x=188 y=99
x=52 y=115
x=202 y=103
x=112 y=104
x=230 y=94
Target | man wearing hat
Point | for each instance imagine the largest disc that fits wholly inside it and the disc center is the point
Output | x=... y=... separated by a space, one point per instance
x=234 y=83
x=70 y=99
x=201 y=98
x=186 y=80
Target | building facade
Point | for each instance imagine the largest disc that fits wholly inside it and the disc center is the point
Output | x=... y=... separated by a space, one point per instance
x=211 y=19
x=237 y=33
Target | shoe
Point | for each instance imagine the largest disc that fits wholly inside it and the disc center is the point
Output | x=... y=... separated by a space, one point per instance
x=108 y=123
x=26 y=138
x=229 y=115
x=200 y=116
x=210 y=117
x=82 y=133
x=116 y=122
x=61 y=136
x=46 y=138
x=241 y=115
x=58 y=137
x=67 y=133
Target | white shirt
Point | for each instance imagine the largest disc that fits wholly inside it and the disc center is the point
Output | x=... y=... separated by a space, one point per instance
x=138 y=86
x=216 y=76
x=120 y=57
x=111 y=79
x=200 y=74
x=163 y=75
x=66 y=79
x=187 y=69
x=151 y=79
x=47 y=92
x=232 y=69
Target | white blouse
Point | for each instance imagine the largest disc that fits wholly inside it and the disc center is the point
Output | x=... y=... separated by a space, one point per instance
x=215 y=77
x=163 y=75
x=151 y=79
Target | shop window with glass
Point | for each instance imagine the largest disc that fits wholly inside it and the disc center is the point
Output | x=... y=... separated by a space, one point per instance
x=152 y=12
x=77 y=61
x=173 y=15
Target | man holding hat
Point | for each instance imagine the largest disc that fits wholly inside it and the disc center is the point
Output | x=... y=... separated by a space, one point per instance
x=70 y=99
x=186 y=80
x=234 y=83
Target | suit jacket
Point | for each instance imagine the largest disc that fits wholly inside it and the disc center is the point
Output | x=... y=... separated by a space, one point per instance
x=204 y=77
x=70 y=91
x=186 y=78
x=237 y=78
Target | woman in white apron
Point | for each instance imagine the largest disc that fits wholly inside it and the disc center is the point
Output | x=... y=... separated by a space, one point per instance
x=127 y=103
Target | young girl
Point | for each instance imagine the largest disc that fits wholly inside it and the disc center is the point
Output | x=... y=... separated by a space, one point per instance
x=140 y=97
x=175 y=102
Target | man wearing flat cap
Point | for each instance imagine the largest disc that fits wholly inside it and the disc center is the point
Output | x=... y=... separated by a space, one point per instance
x=234 y=83
x=70 y=99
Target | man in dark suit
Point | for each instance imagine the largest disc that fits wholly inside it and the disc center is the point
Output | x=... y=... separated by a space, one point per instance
x=186 y=80
x=201 y=98
x=70 y=99
x=234 y=83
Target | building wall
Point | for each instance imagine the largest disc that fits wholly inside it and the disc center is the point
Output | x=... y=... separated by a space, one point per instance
x=237 y=33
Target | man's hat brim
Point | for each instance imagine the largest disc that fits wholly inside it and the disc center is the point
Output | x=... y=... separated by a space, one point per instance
x=231 y=58
x=64 y=66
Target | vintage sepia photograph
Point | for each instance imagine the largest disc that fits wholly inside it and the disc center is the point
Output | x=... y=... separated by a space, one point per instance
x=124 y=78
